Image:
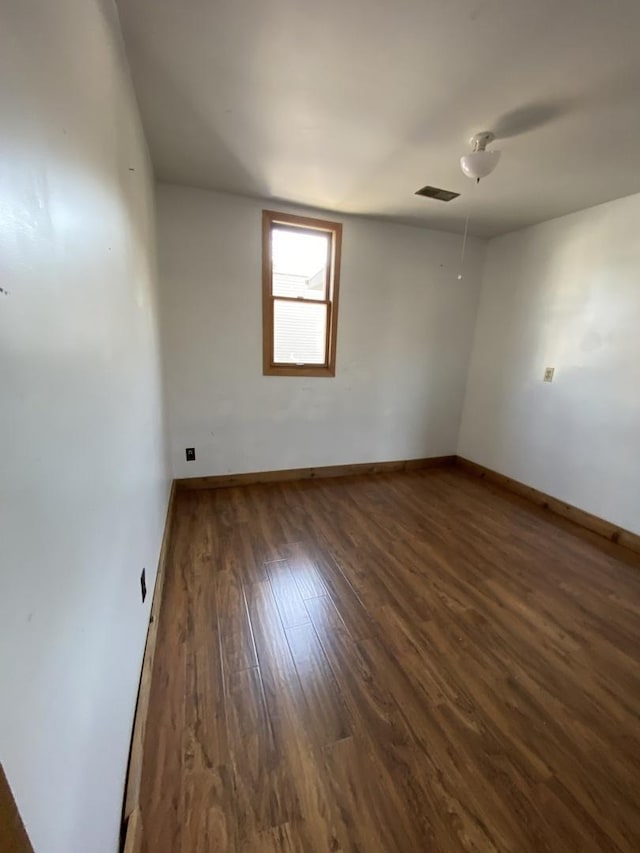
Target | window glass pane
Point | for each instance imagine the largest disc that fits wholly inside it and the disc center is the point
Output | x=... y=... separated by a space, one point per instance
x=299 y=332
x=299 y=263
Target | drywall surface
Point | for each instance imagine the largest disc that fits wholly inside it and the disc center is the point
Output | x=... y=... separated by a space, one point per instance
x=564 y=294
x=404 y=336
x=83 y=473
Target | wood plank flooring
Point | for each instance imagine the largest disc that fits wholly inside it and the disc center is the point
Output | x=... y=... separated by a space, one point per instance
x=403 y=662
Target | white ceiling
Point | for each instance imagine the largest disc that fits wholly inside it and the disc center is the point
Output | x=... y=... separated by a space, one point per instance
x=352 y=105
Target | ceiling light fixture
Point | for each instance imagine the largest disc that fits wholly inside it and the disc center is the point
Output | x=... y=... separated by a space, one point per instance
x=480 y=162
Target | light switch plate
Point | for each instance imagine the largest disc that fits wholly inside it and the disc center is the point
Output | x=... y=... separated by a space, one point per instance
x=548 y=374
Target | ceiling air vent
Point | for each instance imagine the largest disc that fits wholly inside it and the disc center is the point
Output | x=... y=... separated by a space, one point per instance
x=437 y=193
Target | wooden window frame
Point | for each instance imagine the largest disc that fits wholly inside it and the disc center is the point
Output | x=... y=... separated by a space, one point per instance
x=270 y=219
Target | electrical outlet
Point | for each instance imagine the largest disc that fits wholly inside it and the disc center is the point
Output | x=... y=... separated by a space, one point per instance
x=191 y=454
x=143 y=585
x=548 y=374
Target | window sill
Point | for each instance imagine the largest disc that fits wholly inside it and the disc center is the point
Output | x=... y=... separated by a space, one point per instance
x=292 y=370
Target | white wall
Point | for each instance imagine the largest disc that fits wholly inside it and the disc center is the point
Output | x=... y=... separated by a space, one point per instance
x=83 y=482
x=404 y=336
x=564 y=294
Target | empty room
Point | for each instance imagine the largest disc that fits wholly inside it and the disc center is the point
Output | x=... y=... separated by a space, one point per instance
x=320 y=426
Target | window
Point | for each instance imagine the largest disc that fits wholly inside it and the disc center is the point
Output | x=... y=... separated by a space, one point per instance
x=300 y=280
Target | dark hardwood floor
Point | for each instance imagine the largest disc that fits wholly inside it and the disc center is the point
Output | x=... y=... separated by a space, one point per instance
x=404 y=662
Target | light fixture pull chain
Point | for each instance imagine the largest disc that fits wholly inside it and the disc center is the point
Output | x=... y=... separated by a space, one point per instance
x=464 y=246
